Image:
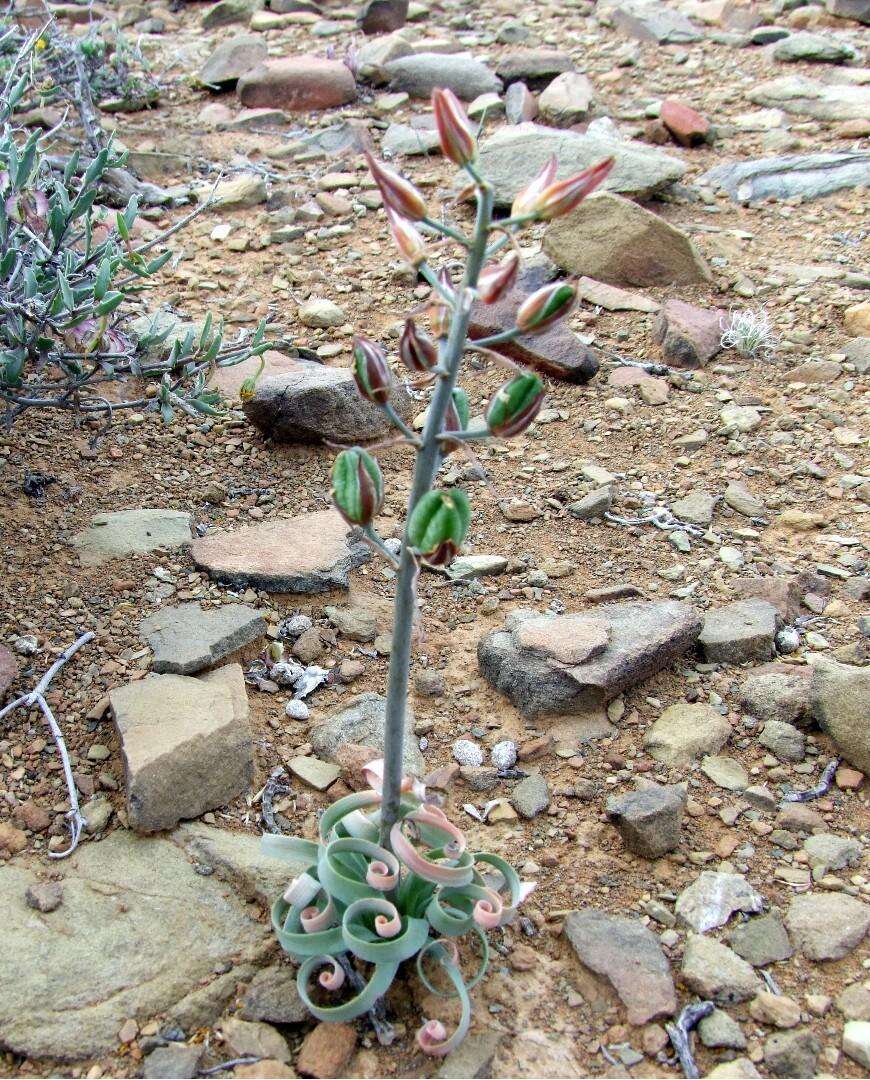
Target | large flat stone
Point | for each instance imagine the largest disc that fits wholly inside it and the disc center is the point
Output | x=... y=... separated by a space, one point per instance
x=684 y=732
x=643 y=639
x=137 y=933
x=827 y=926
x=361 y=722
x=186 y=744
x=838 y=698
x=131 y=532
x=418 y=75
x=307 y=554
x=741 y=631
x=809 y=97
x=512 y=155
x=297 y=83
x=187 y=638
x=624 y=957
x=808 y=175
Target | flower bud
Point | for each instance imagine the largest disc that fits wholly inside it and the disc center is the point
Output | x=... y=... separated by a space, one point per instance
x=248 y=388
x=438 y=525
x=515 y=405
x=496 y=278
x=526 y=201
x=408 y=240
x=455 y=132
x=546 y=306
x=371 y=371
x=439 y=312
x=357 y=486
x=416 y=349
x=560 y=198
x=458 y=411
x=399 y=194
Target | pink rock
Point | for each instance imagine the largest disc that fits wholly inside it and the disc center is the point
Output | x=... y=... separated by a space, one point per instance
x=297 y=83
x=685 y=125
x=689 y=335
x=8 y=670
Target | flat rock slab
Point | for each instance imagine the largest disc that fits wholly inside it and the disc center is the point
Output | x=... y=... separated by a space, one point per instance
x=361 y=721
x=514 y=154
x=808 y=175
x=622 y=955
x=131 y=532
x=827 y=926
x=643 y=638
x=712 y=899
x=684 y=732
x=186 y=744
x=713 y=971
x=311 y=553
x=187 y=638
x=418 y=75
x=741 y=631
x=138 y=931
x=810 y=97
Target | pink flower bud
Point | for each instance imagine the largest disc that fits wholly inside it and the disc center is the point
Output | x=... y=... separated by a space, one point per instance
x=496 y=278
x=399 y=194
x=455 y=132
x=560 y=198
x=526 y=201
x=546 y=306
x=408 y=240
x=416 y=350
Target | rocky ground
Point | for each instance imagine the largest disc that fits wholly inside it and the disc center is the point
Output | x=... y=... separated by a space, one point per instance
x=662 y=607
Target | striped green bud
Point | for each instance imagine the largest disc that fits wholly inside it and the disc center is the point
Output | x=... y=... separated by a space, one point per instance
x=357 y=486
x=438 y=526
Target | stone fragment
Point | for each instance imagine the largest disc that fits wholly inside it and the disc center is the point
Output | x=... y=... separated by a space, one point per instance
x=712 y=899
x=297 y=84
x=612 y=298
x=187 y=638
x=250 y=1039
x=739 y=1069
x=741 y=499
x=472 y=1059
x=311 y=553
x=361 y=720
x=44 y=896
x=721 y=1030
x=785 y=593
x=531 y=796
x=567 y=100
x=621 y=957
x=856 y=319
x=761 y=941
x=839 y=694
x=649 y=819
x=383 y=16
x=571 y=641
x=716 y=973
x=856 y=1035
x=186 y=744
x=131 y=532
x=813 y=48
x=171 y=1061
x=226 y=12
x=273 y=996
x=311 y=403
x=738 y=632
x=644 y=638
x=810 y=176
x=514 y=154
x=647 y=20
x=827 y=852
x=802 y=96
x=776 y=1010
x=520 y=104
x=419 y=74
x=476 y=566
x=8 y=670
x=696 y=508
x=535 y=67
x=593 y=505
x=689 y=335
x=791 y=1053
x=725 y=772
x=854 y=1002
x=783 y=740
x=614 y=240
x=684 y=733
x=687 y=127
x=859 y=10
x=314 y=772
x=12 y=840
x=235 y=193
x=827 y=926
x=326 y=1051
x=231 y=59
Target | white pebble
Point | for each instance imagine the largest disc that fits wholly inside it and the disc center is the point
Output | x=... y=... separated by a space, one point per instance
x=504 y=754
x=467 y=753
x=788 y=640
x=297 y=710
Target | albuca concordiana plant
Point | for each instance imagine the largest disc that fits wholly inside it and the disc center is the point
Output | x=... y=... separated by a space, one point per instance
x=391 y=879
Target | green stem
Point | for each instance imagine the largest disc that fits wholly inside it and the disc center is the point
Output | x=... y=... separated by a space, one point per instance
x=426 y=271
x=505 y=335
x=428 y=462
x=445 y=230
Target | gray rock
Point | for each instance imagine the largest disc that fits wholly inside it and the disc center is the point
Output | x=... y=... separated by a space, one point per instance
x=783 y=740
x=97 y=813
x=316 y=402
x=809 y=97
x=131 y=532
x=312 y=771
x=567 y=100
x=420 y=74
x=643 y=638
x=647 y=20
x=593 y=505
x=186 y=638
x=169 y=1062
x=761 y=941
x=815 y=48
x=361 y=721
x=535 y=67
x=649 y=819
x=406 y=140
x=273 y=997
x=826 y=852
x=721 y=1030
x=858 y=353
x=232 y=58
x=782 y=695
x=8 y=670
x=725 y=772
x=859 y=10
x=531 y=796
x=684 y=733
x=472 y=1059
x=356 y=623
x=475 y=566
x=839 y=694
x=712 y=899
x=714 y=972
x=513 y=154
x=791 y=1053
x=245 y=1038
x=741 y=631
x=696 y=508
x=827 y=926
x=311 y=553
x=621 y=958
x=689 y=335
x=132 y=907
x=856 y=1035
x=741 y=499
x=854 y=1002
x=44 y=896
x=808 y=175
x=225 y=12
x=186 y=744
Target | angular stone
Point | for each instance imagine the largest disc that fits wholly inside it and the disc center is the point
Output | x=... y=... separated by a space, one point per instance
x=725 y=772
x=237 y=193
x=531 y=796
x=186 y=638
x=472 y=1059
x=826 y=851
x=514 y=154
x=827 y=926
x=8 y=670
x=567 y=642
x=622 y=957
x=312 y=402
x=776 y=1010
x=739 y=1069
x=717 y=974
x=647 y=20
x=614 y=240
x=649 y=819
x=785 y=593
x=226 y=12
x=809 y=97
x=326 y=1050
x=174 y=1060
x=856 y=1035
x=232 y=59
x=783 y=740
x=761 y=941
x=186 y=744
x=815 y=48
x=612 y=298
x=689 y=335
x=273 y=996
x=741 y=631
x=741 y=499
x=383 y=16
x=684 y=733
x=132 y=906
x=808 y=175
x=297 y=84
x=696 y=508
x=712 y=899
x=520 y=104
x=476 y=566
x=131 y=532
x=859 y=10
x=407 y=140
x=644 y=638
x=311 y=553
x=791 y=1053
x=567 y=100
x=420 y=74
x=839 y=694
x=720 y=1030
x=361 y=721
x=535 y=67
x=248 y=1039
x=593 y=505
x=314 y=772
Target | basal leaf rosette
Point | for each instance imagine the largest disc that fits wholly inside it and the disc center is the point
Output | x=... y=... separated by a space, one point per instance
x=362 y=910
